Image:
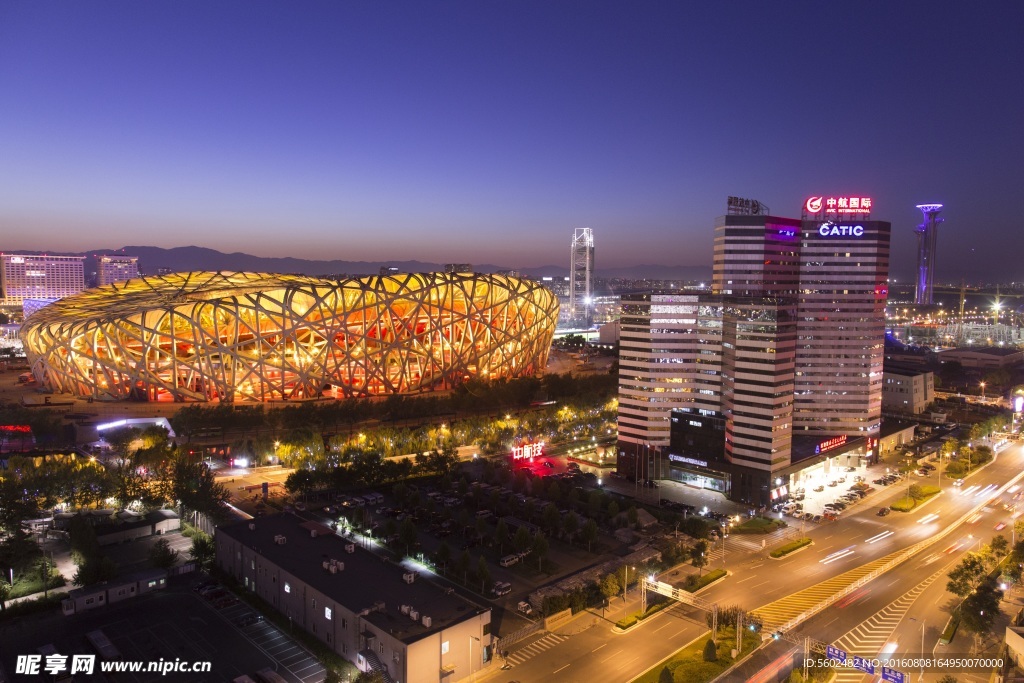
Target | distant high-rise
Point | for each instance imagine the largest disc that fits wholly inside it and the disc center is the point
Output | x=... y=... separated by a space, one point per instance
x=452 y=268
x=117 y=269
x=29 y=276
x=581 y=276
x=927 y=237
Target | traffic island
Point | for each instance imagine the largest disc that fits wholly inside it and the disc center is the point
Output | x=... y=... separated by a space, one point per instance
x=919 y=495
x=758 y=525
x=791 y=547
x=691 y=665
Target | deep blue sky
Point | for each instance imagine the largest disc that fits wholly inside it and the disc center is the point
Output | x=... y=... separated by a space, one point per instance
x=485 y=131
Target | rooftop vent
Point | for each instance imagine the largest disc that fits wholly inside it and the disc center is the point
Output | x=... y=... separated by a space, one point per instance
x=350 y=547
x=409 y=577
x=427 y=621
x=414 y=615
x=312 y=533
x=252 y=527
x=280 y=539
x=404 y=609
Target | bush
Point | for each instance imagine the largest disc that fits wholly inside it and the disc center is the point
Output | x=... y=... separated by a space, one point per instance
x=758 y=525
x=904 y=504
x=695 y=583
x=790 y=547
x=710 y=651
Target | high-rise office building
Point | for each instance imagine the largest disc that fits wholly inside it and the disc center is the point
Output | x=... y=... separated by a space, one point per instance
x=29 y=276
x=844 y=271
x=581 y=277
x=116 y=269
x=670 y=356
x=792 y=335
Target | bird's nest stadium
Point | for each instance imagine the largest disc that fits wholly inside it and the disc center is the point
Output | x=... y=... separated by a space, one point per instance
x=235 y=337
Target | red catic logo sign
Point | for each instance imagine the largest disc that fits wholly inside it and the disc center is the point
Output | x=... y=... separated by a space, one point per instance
x=527 y=451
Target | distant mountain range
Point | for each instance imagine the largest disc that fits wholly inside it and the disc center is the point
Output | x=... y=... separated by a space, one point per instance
x=151 y=259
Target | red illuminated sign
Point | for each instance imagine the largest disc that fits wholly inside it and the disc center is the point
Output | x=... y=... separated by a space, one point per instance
x=528 y=451
x=829 y=444
x=22 y=429
x=845 y=205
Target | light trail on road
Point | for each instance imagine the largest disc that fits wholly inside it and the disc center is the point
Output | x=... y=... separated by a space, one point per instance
x=838 y=555
x=878 y=537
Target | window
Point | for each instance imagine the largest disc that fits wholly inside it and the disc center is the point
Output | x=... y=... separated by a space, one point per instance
x=287 y=587
x=380 y=648
x=344 y=622
x=444 y=647
x=328 y=613
x=314 y=603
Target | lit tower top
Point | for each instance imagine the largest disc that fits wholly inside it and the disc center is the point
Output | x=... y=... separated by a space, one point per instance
x=927 y=234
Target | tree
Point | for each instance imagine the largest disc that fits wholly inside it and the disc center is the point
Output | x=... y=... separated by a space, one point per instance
x=522 y=540
x=407 y=535
x=609 y=587
x=540 y=549
x=550 y=517
x=966 y=576
x=161 y=555
x=570 y=525
x=94 y=570
x=699 y=555
x=462 y=564
x=1000 y=546
x=589 y=533
x=203 y=550
x=948 y=679
x=979 y=610
x=332 y=676
x=483 y=572
x=665 y=676
x=613 y=511
x=444 y=554
x=501 y=535
x=710 y=651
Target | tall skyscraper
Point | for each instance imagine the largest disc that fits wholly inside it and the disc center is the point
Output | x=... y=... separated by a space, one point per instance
x=670 y=356
x=581 y=276
x=28 y=276
x=844 y=271
x=116 y=269
x=927 y=238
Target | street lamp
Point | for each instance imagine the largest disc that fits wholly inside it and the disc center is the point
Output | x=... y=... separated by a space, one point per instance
x=983 y=392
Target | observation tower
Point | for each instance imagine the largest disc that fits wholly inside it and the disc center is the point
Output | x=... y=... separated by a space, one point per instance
x=927 y=234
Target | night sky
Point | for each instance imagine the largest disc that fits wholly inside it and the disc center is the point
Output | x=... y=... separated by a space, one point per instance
x=485 y=131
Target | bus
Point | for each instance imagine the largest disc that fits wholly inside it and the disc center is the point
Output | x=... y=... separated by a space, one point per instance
x=49 y=650
x=102 y=646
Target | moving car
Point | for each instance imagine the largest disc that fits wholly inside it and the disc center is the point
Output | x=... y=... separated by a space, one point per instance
x=882 y=512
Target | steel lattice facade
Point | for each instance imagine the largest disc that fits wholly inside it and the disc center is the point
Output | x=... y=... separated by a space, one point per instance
x=207 y=336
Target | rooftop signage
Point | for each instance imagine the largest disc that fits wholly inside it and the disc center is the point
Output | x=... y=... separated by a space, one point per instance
x=829 y=444
x=833 y=230
x=528 y=451
x=840 y=205
x=738 y=206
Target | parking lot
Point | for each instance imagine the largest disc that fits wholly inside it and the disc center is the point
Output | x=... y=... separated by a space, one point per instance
x=269 y=638
x=174 y=624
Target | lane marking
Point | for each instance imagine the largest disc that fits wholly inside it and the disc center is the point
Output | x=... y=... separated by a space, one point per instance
x=598 y=647
x=557 y=670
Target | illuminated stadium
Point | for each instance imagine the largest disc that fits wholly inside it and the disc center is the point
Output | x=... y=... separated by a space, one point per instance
x=207 y=336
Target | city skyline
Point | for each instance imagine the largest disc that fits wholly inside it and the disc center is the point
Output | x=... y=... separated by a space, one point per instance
x=483 y=134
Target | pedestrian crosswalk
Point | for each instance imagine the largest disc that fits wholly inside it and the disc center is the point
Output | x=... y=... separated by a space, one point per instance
x=871 y=635
x=535 y=648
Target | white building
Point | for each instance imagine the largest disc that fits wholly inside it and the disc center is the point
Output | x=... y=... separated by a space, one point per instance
x=379 y=615
x=28 y=276
x=116 y=269
x=907 y=390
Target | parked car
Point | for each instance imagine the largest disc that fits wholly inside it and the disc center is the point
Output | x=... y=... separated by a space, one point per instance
x=816 y=518
x=525 y=607
x=249 y=620
x=819 y=489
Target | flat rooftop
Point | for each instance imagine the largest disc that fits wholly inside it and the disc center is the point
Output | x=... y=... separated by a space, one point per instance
x=366 y=580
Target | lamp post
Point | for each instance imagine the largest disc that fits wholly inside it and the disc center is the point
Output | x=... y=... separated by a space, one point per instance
x=982 y=392
x=921 y=676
